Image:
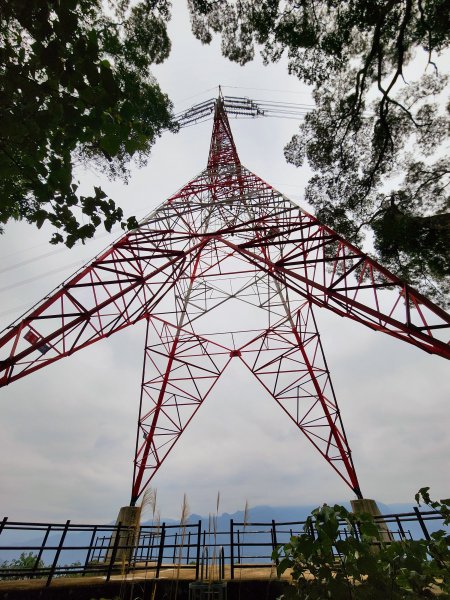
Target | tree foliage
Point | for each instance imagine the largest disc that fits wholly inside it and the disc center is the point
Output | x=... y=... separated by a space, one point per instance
x=75 y=89
x=360 y=564
x=25 y=565
x=377 y=138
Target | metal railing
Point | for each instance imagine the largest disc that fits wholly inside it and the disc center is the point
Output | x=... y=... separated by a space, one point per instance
x=51 y=550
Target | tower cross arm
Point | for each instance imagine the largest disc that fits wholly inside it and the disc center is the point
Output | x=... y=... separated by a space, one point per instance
x=408 y=316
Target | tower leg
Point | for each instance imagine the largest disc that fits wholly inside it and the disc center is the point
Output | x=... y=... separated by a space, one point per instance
x=180 y=370
x=288 y=360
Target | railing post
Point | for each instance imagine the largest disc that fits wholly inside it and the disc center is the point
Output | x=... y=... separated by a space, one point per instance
x=355 y=531
x=58 y=552
x=231 y=549
x=204 y=553
x=149 y=539
x=175 y=548
x=2 y=524
x=114 y=550
x=274 y=540
x=400 y=528
x=152 y=540
x=161 y=549
x=222 y=563
x=149 y=546
x=91 y=543
x=199 y=539
x=422 y=523
x=139 y=547
x=311 y=530
x=104 y=538
x=239 y=546
x=44 y=541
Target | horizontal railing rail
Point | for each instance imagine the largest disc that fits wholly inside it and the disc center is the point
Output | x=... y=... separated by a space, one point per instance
x=54 y=550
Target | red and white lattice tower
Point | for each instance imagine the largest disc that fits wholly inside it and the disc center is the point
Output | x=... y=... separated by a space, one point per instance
x=226 y=235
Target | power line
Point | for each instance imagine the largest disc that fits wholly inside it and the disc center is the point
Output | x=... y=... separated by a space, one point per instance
x=6 y=288
x=243 y=107
x=14 y=310
x=30 y=260
x=22 y=250
x=55 y=250
x=240 y=87
x=199 y=94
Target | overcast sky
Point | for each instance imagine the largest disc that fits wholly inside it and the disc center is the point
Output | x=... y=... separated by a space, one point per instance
x=67 y=432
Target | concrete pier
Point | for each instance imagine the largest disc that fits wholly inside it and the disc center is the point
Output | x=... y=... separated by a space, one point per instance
x=128 y=517
x=369 y=506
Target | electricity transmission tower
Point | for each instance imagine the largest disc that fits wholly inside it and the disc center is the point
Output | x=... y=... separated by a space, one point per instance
x=225 y=237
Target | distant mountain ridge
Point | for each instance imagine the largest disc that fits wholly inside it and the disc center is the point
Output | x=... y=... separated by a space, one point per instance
x=291 y=514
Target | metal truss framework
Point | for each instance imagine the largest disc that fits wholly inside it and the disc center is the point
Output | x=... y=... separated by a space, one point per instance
x=225 y=237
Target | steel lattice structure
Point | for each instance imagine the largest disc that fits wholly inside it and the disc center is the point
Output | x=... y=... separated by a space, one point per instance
x=225 y=236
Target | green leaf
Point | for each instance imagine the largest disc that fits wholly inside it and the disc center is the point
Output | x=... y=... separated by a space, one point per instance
x=283 y=565
x=423 y=493
x=111 y=144
x=39 y=217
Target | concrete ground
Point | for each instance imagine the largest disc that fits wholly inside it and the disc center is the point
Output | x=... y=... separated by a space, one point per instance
x=173 y=583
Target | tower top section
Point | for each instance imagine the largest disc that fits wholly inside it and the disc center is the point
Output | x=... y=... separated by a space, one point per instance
x=222 y=152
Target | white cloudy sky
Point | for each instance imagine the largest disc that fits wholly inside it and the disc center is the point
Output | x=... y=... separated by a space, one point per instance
x=67 y=432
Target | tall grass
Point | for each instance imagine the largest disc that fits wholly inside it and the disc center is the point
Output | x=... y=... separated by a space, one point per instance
x=148 y=504
x=183 y=522
x=214 y=570
x=148 y=511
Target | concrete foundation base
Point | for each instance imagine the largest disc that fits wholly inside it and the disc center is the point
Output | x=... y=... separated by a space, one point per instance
x=128 y=517
x=369 y=506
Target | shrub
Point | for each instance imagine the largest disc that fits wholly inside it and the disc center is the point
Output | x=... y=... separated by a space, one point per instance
x=25 y=562
x=360 y=564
